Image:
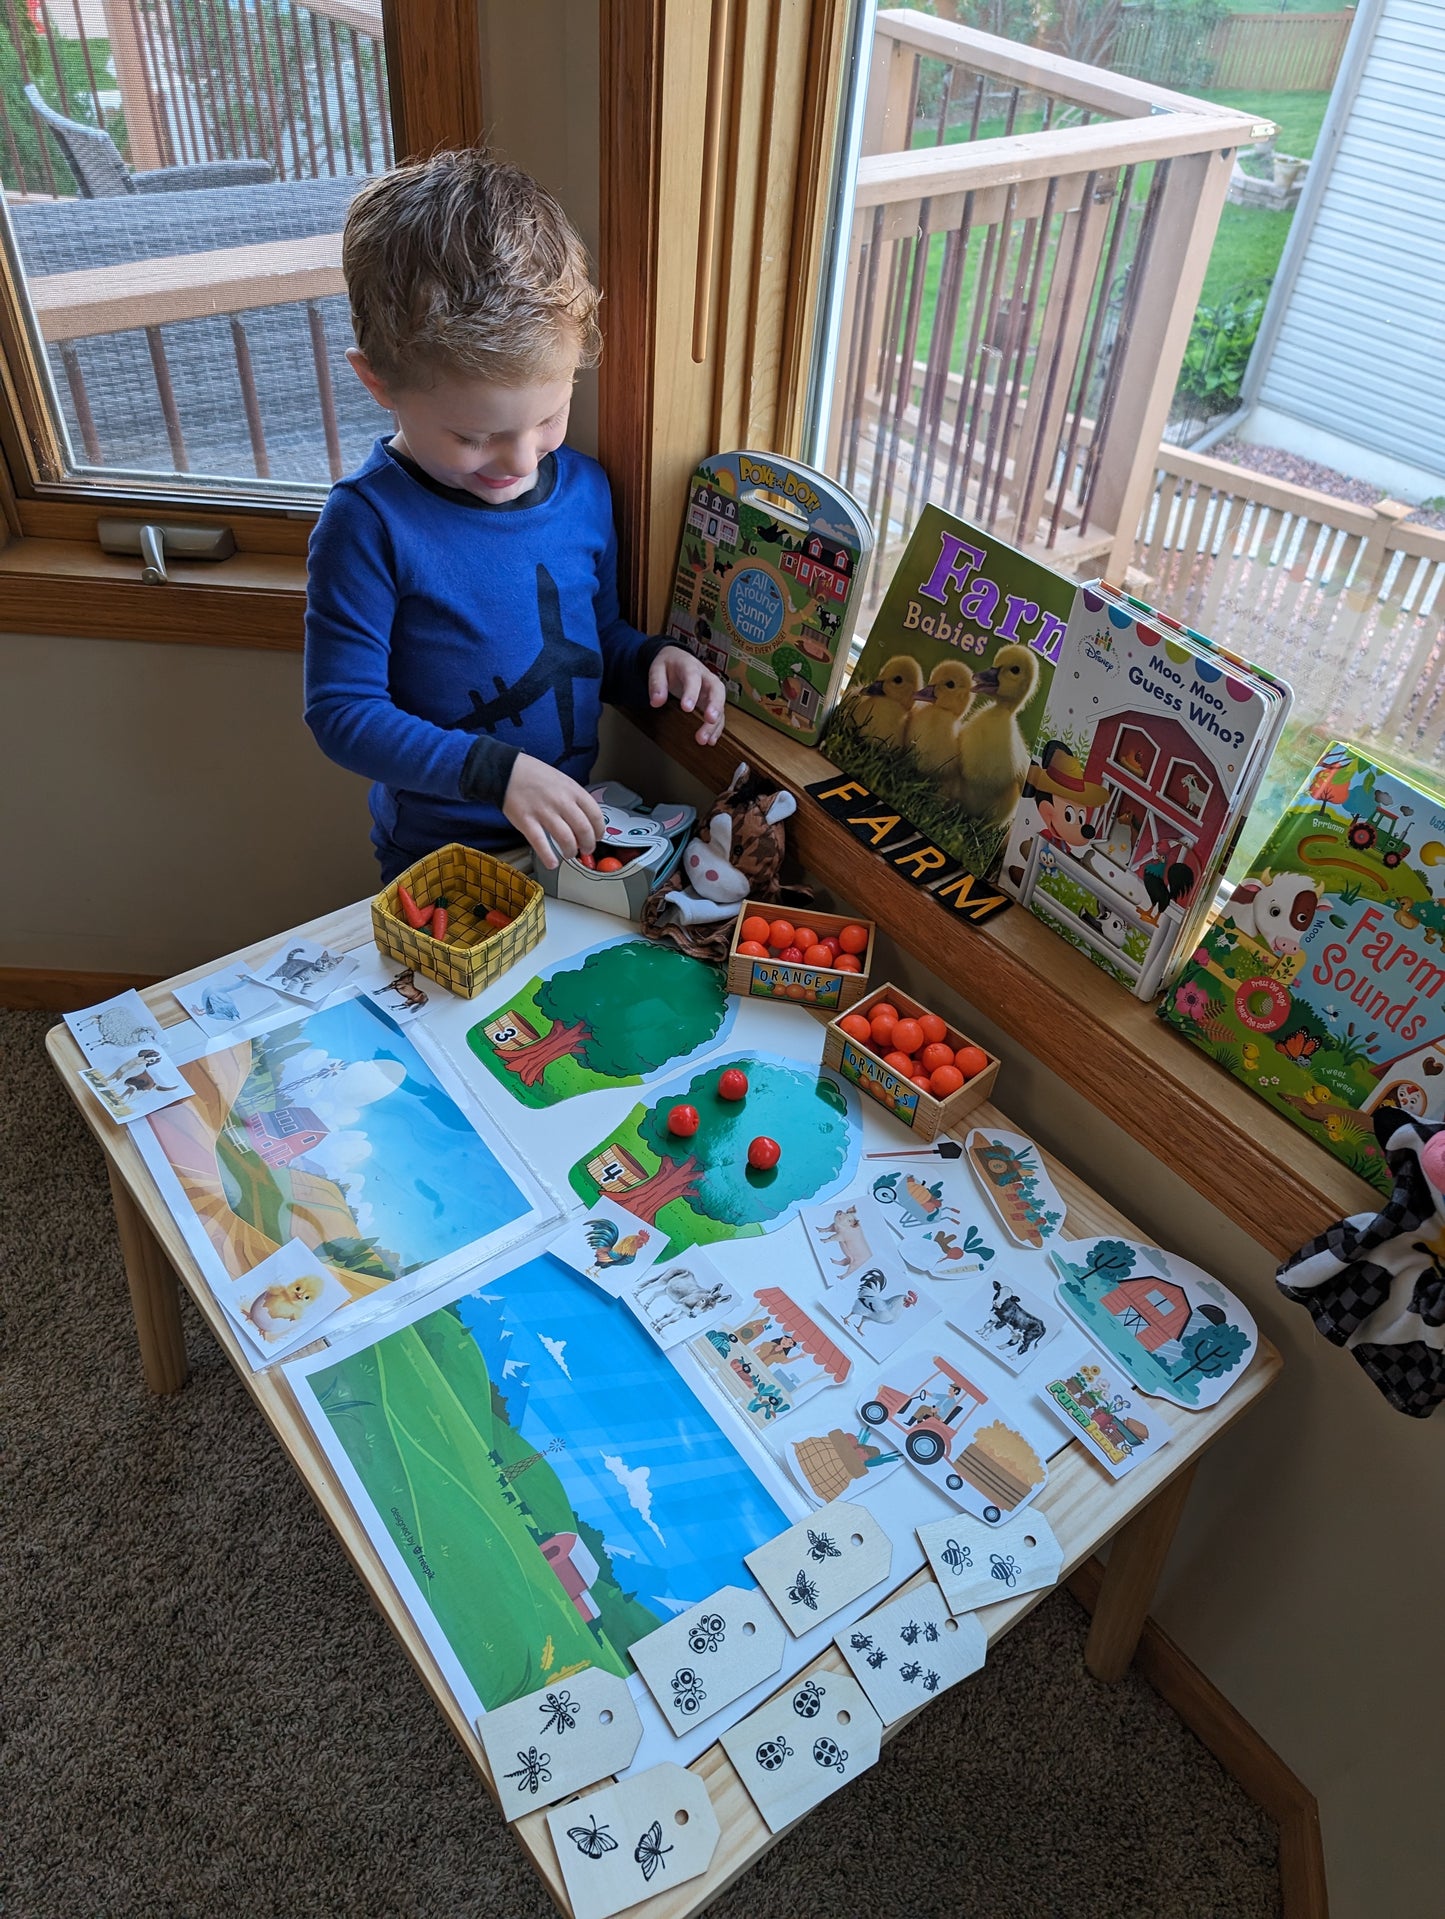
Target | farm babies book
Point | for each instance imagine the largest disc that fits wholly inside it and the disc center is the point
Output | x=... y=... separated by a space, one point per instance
x=943 y=709
x=770 y=574
x=1150 y=744
x=1321 y=982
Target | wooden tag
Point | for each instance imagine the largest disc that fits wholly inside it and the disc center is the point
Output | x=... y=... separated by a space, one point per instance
x=706 y=1658
x=976 y=1563
x=820 y=1565
x=634 y=1839
x=911 y=1650
x=559 y=1739
x=803 y=1745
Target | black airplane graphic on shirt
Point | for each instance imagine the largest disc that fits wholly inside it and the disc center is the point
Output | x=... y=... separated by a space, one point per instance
x=560 y=663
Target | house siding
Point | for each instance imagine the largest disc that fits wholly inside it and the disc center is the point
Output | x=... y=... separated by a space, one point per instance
x=1361 y=346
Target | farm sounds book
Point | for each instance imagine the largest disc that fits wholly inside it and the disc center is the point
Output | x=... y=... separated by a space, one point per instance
x=1151 y=743
x=943 y=709
x=769 y=579
x=1321 y=984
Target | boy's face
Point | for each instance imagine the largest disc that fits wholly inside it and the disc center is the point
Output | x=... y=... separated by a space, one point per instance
x=471 y=434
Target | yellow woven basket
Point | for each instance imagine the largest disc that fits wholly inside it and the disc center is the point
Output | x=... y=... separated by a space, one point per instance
x=471 y=883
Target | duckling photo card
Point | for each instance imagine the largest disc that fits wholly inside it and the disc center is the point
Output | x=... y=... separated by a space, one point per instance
x=943 y=711
x=280 y=1304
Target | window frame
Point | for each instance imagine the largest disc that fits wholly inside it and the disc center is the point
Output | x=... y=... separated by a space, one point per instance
x=53 y=576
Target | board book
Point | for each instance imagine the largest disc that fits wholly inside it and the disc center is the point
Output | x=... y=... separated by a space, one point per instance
x=942 y=712
x=1321 y=982
x=770 y=575
x=1151 y=745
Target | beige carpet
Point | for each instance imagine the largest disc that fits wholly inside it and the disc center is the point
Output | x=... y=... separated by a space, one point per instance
x=202 y=1718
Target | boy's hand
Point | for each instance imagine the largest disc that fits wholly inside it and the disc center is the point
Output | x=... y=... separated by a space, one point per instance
x=676 y=671
x=545 y=807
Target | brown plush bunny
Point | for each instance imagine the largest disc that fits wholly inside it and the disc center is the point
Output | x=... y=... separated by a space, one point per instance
x=735 y=857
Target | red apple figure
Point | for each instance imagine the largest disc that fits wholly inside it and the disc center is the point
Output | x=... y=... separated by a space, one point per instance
x=764 y=1154
x=733 y=1084
x=683 y=1121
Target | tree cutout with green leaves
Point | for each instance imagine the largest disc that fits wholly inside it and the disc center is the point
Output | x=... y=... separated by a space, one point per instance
x=623 y=1013
x=1212 y=1350
x=806 y=1114
x=1109 y=1261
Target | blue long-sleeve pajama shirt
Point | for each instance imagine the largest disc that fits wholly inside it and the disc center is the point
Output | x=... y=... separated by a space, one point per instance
x=445 y=635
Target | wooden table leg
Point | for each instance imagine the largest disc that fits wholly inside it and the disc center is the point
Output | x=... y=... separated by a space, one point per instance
x=154 y=1294
x=1136 y=1559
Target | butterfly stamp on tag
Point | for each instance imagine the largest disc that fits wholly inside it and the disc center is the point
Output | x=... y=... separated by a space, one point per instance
x=710 y=1655
x=629 y=1841
x=803 y=1745
x=822 y=1564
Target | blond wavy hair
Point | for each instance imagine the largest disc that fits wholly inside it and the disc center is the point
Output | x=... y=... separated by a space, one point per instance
x=462 y=266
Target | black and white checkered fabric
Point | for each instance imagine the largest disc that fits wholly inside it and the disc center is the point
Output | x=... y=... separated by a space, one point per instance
x=1375 y=1283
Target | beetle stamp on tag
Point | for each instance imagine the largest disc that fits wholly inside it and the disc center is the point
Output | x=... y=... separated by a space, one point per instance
x=557 y=1740
x=711 y=1655
x=911 y=1650
x=823 y=1563
x=634 y=1839
x=800 y=1747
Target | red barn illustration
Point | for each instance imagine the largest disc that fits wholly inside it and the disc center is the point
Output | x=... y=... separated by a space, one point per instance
x=575 y=1567
x=284 y=1135
x=1154 y=1310
x=1156 y=773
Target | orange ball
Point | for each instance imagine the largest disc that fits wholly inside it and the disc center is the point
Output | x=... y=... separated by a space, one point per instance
x=846 y=963
x=804 y=936
x=856 y=1027
x=609 y=865
x=815 y=955
x=934 y=1055
x=755 y=928
x=780 y=933
x=883 y=1009
x=754 y=949
x=970 y=1060
x=934 y=1029
x=853 y=938
x=923 y=1085
x=907 y=1035
x=900 y=1063
x=881 y=1032
x=944 y=1080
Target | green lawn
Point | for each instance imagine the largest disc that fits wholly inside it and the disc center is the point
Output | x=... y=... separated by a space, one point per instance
x=1297 y=115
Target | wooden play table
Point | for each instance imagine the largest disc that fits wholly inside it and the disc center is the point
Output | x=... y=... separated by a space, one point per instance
x=1082 y=1505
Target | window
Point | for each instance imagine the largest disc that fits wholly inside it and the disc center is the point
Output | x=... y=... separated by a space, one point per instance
x=1155 y=292
x=176 y=177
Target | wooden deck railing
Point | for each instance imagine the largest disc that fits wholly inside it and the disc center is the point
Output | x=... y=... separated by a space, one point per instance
x=1030 y=271
x=1346 y=601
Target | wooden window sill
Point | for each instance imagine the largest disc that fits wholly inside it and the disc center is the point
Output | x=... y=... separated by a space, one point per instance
x=1113 y=1050
x=70 y=587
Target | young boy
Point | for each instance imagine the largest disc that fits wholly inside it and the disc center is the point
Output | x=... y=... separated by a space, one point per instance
x=462 y=625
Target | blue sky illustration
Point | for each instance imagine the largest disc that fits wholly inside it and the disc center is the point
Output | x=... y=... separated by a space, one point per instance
x=432 y=1183
x=581 y=1369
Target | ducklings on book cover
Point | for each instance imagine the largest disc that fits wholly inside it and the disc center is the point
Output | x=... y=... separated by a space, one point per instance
x=942 y=712
x=1321 y=984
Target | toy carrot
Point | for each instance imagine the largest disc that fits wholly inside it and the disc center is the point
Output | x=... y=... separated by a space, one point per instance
x=417 y=916
x=495 y=918
x=439 y=923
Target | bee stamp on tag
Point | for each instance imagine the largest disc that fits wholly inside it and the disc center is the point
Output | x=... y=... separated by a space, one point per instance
x=822 y=1564
x=706 y=1658
x=976 y=1564
x=634 y=1839
x=797 y=1749
x=557 y=1740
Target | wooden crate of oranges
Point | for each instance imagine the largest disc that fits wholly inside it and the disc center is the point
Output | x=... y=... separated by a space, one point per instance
x=924 y=1071
x=819 y=959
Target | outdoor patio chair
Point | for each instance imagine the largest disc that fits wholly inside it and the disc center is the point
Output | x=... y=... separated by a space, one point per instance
x=101 y=173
